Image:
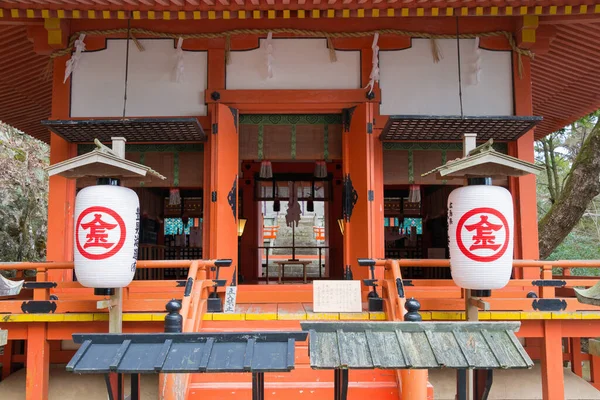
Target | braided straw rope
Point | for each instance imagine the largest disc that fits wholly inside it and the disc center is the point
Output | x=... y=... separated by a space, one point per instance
x=299 y=32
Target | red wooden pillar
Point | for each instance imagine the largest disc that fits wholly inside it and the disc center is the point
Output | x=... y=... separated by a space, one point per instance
x=523 y=188
x=61 y=191
x=553 y=381
x=222 y=193
x=360 y=165
x=252 y=237
x=38 y=362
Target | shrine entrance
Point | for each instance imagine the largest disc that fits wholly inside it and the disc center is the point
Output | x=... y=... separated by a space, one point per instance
x=290 y=173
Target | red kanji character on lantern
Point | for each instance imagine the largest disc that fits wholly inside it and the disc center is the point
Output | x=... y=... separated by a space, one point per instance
x=97 y=236
x=484 y=237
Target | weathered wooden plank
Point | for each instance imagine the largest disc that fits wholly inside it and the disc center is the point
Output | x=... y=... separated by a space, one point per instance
x=419 y=351
x=324 y=351
x=389 y=354
x=354 y=350
x=476 y=350
x=498 y=347
x=381 y=347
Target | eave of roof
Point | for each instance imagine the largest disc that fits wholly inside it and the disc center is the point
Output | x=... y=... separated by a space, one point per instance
x=565 y=85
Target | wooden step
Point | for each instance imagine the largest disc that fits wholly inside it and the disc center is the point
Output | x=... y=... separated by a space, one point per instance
x=302 y=373
x=288 y=312
x=293 y=390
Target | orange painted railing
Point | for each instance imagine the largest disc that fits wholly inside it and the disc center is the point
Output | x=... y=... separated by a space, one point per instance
x=434 y=294
x=138 y=296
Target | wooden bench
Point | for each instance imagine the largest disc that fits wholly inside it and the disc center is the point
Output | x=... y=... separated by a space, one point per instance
x=282 y=265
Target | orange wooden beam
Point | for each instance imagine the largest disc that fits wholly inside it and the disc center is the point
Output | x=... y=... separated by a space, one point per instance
x=264 y=99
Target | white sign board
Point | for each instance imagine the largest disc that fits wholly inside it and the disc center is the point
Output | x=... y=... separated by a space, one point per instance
x=230 y=297
x=3 y=337
x=336 y=296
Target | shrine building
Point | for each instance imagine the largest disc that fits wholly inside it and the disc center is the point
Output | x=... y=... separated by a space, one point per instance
x=296 y=138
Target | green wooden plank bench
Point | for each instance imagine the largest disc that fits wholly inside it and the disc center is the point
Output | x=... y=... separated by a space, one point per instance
x=342 y=346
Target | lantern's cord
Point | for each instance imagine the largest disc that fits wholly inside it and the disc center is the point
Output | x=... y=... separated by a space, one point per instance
x=126 y=66
x=460 y=99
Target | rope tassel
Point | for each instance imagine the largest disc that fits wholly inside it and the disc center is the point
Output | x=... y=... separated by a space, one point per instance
x=270 y=57
x=436 y=52
x=179 y=67
x=332 y=55
x=73 y=62
x=477 y=67
x=374 y=77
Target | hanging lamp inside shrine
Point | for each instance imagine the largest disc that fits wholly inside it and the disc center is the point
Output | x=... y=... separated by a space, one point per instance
x=414 y=194
x=320 y=169
x=107 y=216
x=266 y=170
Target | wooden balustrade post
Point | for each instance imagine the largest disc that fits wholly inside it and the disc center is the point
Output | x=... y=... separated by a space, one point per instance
x=413 y=381
x=547 y=292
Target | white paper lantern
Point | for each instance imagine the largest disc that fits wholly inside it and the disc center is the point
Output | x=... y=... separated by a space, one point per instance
x=107 y=228
x=480 y=232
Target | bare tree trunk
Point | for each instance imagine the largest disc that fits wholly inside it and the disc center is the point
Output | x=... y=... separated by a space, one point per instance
x=580 y=187
x=557 y=184
x=548 y=171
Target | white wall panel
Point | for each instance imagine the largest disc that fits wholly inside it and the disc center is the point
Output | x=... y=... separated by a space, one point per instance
x=412 y=84
x=298 y=64
x=98 y=84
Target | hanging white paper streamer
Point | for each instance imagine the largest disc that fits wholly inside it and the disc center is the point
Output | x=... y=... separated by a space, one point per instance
x=75 y=57
x=270 y=57
x=179 y=73
x=477 y=68
x=374 y=77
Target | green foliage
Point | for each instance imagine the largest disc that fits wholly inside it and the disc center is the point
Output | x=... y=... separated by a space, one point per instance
x=23 y=196
x=557 y=153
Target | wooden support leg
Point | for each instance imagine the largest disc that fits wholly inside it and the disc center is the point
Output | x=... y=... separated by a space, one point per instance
x=258 y=386
x=553 y=381
x=576 y=357
x=115 y=386
x=38 y=362
x=6 y=360
x=135 y=387
x=340 y=384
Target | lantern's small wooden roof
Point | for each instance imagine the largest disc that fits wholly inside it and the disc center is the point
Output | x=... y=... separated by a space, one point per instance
x=484 y=161
x=418 y=345
x=436 y=127
x=590 y=295
x=101 y=162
